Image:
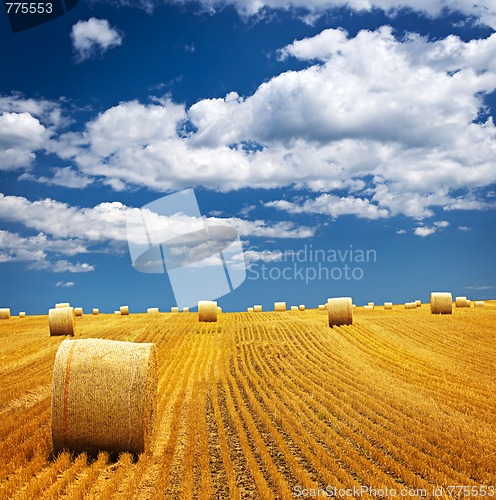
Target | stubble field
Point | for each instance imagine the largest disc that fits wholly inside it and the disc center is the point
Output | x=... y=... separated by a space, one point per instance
x=272 y=405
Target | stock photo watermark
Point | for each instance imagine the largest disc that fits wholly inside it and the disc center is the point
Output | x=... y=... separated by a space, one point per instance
x=309 y=264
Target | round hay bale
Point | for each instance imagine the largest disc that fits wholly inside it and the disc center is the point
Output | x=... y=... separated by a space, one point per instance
x=418 y=303
x=294 y=308
x=96 y=312
x=61 y=321
x=207 y=310
x=249 y=309
x=368 y=308
x=340 y=311
x=461 y=302
x=78 y=311
x=124 y=310
x=410 y=305
x=371 y=304
x=174 y=309
x=441 y=303
x=257 y=308
x=279 y=306
x=322 y=307
x=103 y=396
x=117 y=312
x=5 y=313
x=469 y=302
x=479 y=303
x=62 y=304
x=22 y=314
x=152 y=310
x=185 y=309
x=388 y=305
x=302 y=307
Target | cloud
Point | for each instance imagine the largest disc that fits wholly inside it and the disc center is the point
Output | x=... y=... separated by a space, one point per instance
x=62 y=176
x=479 y=287
x=401 y=231
x=65 y=284
x=92 y=37
x=464 y=228
x=424 y=231
x=62 y=266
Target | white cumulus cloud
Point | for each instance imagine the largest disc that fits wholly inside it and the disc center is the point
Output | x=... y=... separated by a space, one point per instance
x=94 y=36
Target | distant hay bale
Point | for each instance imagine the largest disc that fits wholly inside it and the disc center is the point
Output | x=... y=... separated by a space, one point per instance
x=418 y=303
x=78 y=311
x=124 y=310
x=302 y=307
x=353 y=305
x=22 y=314
x=257 y=308
x=152 y=310
x=371 y=304
x=185 y=309
x=461 y=302
x=219 y=310
x=96 y=311
x=117 y=312
x=103 y=396
x=61 y=321
x=5 y=313
x=441 y=303
x=368 y=308
x=174 y=309
x=62 y=304
x=469 y=302
x=294 y=308
x=322 y=307
x=410 y=305
x=207 y=310
x=279 y=306
x=249 y=309
x=340 y=311
x=479 y=303
x=388 y=305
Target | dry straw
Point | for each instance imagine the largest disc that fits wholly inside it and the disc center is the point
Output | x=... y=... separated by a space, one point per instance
x=117 y=312
x=22 y=314
x=418 y=303
x=322 y=307
x=249 y=309
x=279 y=306
x=469 y=302
x=78 y=311
x=61 y=321
x=388 y=305
x=461 y=302
x=302 y=307
x=152 y=310
x=371 y=304
x=410 y=305
x=479 y=303
x=219 y=310
x=103 y=396
x=340 y=311
x=185 y=309
x=62 y=304
x=124 y=310
x=96 y=312
x=441 y=303
x=294 y=308
x=257 y=308
x=5 y=313
x=174 y=309
x=207 y=310
x=368 y=308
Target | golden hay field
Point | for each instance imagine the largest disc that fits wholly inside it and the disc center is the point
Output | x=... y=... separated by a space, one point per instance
x=266 y=405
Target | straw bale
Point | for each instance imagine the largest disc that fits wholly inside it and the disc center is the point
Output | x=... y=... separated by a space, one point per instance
x=388 y=305
x=62 y=304
x=22 y=314
x=410 y=305
x=207 y=310
x=371 y=304
x=368 y=308
x=219 y=310
x=461 y=302
x=302 y=307
x=294 y=308
x=174 y=309
x=279 y=306
x=103 y=396
x=152 y=310
x=5 y=313
x=78 y=311
x=257 y=308
x=96 y=311
x=479 y=303
x=249 y=309
x=185 y=309
x=61 y=321
x=441 y=303
x=124 y=310
x=340 y=311
x=117 y=312
x=418 y=303
x=322 y=307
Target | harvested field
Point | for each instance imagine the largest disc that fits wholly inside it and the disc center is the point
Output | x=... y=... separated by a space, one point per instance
x=264 y=405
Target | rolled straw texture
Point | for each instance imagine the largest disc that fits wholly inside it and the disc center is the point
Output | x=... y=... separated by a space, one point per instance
x=410 y=305
x=5 y=313
x=117 y=312
x=61 y=321
x=124 y=310
x=441 y=303
x=103 y=396
x=340 y=311
x=249 y=309
x=152 y=310
x=174 y=309
x=294 y=308
x=207 y=310
x=388 y=305
x=185 y=309
x=257 y=308
x=461 y=302
x=302 y=307
x=22 y=314
x=96 y=311
x=62 y=304
x=78 y=311
x=418 y=303
x=279 y=306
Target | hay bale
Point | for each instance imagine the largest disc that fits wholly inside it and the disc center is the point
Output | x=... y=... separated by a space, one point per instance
x=368 y=308
x=22 y=314
x=479 y=303
x=302 y=307
x=78 y=311
x=124 y=310
x=279 y=306
x=371 y=304
x=207 y=310
x=410 y=305
x=174 y=309
x=117 y=312
x=61 y=321
x=152 y=310
x=249 y=309
x=103 y=396
x=5 y=313
x=257 y=308
x=469 y=302
x=418 y=303
x=62 y=304
x=441 y=303
x=340 y=311
x=388 y=305
x=322 y=307
x=185 y=309
x=96 y=311
x=294 y=308
x=461 y=302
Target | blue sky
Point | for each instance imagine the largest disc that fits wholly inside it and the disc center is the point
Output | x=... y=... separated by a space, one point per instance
x=347 y=126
